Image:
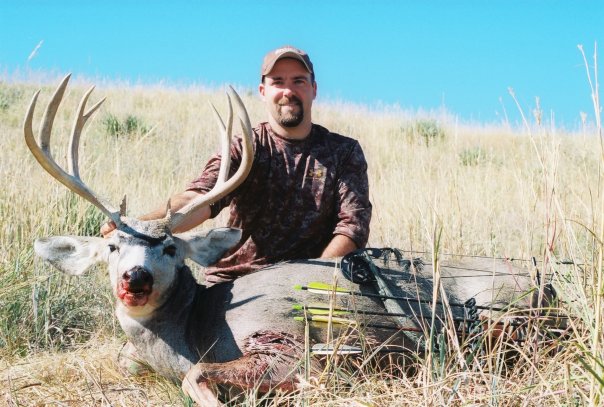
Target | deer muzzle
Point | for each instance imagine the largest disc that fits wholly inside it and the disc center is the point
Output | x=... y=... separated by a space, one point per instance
x=135 y=287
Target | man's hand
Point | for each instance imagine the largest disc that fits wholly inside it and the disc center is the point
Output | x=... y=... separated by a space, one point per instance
x=107 y=228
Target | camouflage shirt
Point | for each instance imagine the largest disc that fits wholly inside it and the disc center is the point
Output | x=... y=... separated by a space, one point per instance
x=298 y=195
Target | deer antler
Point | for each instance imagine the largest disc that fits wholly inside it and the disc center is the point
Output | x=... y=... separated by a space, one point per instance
x=223 y=185
x=42 y=153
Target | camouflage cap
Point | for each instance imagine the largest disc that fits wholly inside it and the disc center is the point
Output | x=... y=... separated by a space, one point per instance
x=287 y=51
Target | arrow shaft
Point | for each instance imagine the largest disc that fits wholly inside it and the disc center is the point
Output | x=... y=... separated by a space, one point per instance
x=327 y=349
x=350 y=322
x=316 y=309
x=353 y=323
x=326 y=290
x=326 y=310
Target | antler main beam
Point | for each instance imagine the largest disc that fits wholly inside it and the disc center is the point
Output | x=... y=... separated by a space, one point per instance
x=223 y=185
x=42 y=152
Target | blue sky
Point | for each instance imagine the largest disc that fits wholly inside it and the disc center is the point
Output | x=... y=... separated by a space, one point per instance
x=463 y=55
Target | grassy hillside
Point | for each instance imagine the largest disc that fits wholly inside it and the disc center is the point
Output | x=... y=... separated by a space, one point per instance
x=435 y=186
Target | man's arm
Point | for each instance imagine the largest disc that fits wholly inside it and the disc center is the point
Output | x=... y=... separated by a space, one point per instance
x=339 y=246
x=177 y=201
x=353 y=205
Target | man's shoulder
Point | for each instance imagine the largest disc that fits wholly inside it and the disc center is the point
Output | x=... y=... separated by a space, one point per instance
x=332 y=137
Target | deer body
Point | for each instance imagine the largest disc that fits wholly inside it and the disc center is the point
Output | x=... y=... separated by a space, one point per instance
x=182 y=329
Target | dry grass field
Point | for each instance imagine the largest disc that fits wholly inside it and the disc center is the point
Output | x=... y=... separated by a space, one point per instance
x=436 y=186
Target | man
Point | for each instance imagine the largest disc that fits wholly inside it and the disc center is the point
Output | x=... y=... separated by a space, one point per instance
x=307 y=194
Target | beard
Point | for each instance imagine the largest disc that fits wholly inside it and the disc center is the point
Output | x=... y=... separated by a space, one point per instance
x=293 y=117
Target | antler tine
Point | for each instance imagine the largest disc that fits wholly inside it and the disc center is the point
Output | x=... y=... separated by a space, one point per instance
x=49 y=115
x=244 y=121
x=225 y=141
x=78 y=125
x=42 y=151
x=222 y=189
x=247 y=134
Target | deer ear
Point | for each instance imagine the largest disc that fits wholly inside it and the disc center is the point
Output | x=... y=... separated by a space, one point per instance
x=206 y=249
x=71 y=254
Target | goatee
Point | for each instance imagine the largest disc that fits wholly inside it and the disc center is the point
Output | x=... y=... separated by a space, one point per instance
x=293 y=117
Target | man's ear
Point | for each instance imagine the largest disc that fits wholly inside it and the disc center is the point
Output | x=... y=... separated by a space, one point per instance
x=71 y=254
x=261 y=90
x=206 y=249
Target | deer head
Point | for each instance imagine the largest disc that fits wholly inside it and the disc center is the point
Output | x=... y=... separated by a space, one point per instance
x=143 y=257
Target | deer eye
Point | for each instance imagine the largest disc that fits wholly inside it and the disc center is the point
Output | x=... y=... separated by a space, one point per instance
x=170 y=250
x=113 y=248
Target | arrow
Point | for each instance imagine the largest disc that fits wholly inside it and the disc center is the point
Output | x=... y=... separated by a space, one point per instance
x=327 y=310
x=320 y=313
x=322 y=317
x=324 y=289
x=326 y=318
x=327 y=349
x=351 y=322
x=322 y=310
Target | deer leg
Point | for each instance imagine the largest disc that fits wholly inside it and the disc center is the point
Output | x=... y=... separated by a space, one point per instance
x=271 y=361
x=130 y=362
x=200 y=392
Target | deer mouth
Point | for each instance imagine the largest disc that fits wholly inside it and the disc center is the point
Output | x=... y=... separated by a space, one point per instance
x=133 y=298
x=135 y=288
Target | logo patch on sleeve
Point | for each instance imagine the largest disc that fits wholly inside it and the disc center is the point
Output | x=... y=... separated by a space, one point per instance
x=315 y=173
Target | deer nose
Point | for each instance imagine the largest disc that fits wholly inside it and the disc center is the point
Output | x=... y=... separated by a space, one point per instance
x=137 y=279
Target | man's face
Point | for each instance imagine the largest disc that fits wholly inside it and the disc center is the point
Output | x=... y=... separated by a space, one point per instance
x=288 y=91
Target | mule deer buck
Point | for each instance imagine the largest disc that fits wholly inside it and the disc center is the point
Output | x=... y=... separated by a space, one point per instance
x=238 y=335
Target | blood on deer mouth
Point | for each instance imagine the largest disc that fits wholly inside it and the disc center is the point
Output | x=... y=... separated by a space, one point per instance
x=135 y=287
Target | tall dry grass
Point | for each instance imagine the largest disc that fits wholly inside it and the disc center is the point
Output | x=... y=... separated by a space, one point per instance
x=490 y=191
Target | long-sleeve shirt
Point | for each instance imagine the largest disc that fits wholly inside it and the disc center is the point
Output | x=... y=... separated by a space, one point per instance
x=297 y=197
